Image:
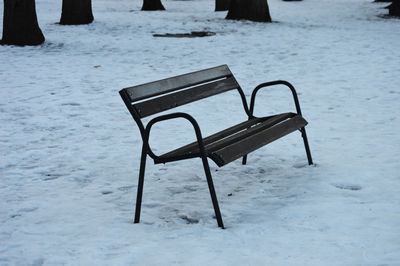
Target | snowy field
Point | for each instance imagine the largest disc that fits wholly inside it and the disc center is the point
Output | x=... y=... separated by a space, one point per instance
x=70 y=150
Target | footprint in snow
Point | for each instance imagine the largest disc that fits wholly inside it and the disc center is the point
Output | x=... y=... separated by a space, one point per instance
x=70 y=104
x=126 y=188
x=347 y=186
x=21 y=211
x=189 y=220
x=28 y=209
x=151 y=205
x=51 y=177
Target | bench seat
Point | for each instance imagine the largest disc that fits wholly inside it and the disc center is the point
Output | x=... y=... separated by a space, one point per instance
x=232 y=143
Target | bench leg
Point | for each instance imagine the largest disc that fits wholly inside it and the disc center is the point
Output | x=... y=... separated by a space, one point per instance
x=212 y=192
x=244 y=160
x=304 y=135
x=140 y=184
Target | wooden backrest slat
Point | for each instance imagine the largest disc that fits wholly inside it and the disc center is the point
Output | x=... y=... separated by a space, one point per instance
x=165 y=102
x=156 y=88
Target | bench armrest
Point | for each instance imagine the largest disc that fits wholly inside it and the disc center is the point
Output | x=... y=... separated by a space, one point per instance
x=173 y=116
x=272 y=83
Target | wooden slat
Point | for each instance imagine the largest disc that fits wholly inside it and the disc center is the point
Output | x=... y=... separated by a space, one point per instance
x=173 y=100
x=155 y=88
x=230 y=135
x=248 y=132
x=192 y=147
x=245 y=146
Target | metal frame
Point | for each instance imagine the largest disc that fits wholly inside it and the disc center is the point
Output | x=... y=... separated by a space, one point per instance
x=298 y=110
x=146 y=149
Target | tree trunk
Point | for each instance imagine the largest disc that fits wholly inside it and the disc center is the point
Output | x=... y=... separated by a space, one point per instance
x=255 y=10
x=20 y=26
x=394 y=8
x=222 y=5
x=76 y=12
x=152 y=5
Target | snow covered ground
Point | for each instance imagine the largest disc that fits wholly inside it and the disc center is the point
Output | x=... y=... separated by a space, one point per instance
x=70 y=150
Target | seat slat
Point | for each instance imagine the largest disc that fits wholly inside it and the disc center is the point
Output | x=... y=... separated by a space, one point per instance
x=238 y=149
x=159 y=87
x=230 y=135
x=248 y=132
x=163 y=103
x=222 y=134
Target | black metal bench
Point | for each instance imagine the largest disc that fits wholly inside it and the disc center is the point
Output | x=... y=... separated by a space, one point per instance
x=223 y=147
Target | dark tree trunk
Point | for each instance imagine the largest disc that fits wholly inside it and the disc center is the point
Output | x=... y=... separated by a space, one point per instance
x=222 y=5
x=255 y=10
x=394 y=8
x=20 y=26
x=152 y=5
x=76 y=12
x=383 y=1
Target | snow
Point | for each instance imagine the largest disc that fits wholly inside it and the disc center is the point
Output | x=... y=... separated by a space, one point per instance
x=70 y=150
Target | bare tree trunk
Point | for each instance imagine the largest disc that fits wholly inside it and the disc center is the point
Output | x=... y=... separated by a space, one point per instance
x=394 y=8
x=222 y=5
x=76 y=12
x=255 y=10
x=20 y=26
x=152 y=5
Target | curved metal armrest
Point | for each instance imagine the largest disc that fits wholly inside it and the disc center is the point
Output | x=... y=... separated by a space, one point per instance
x=272 y=83
x=172 y=116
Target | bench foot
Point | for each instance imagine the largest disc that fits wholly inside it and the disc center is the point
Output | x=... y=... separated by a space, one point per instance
x=304 y=135
x=212 y=192
x=140 y=185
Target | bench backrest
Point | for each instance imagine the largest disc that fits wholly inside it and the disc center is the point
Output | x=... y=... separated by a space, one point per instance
x=154 y=97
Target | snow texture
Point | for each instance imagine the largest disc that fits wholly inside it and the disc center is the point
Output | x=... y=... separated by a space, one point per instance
x=70 y=150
